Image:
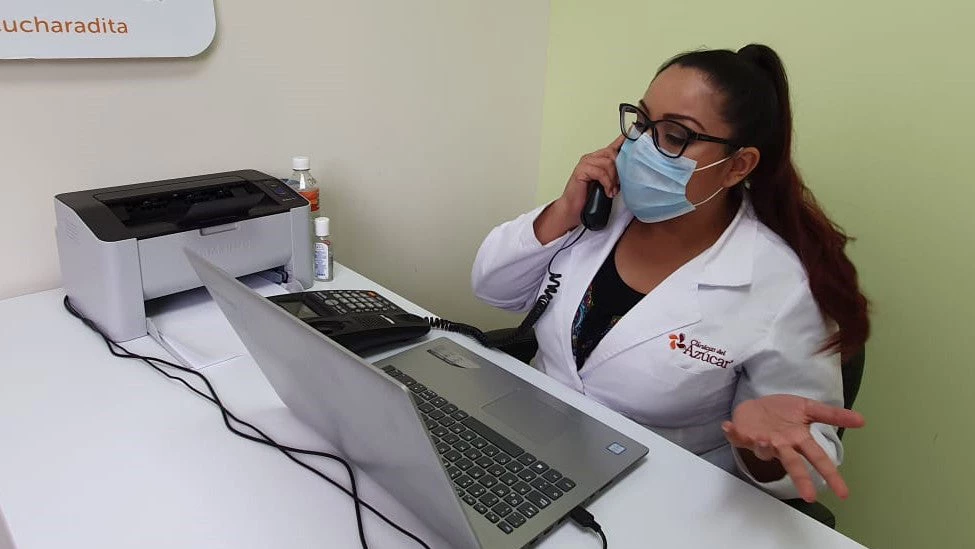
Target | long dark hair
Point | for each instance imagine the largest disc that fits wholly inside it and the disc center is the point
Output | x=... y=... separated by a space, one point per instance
x=755 y=93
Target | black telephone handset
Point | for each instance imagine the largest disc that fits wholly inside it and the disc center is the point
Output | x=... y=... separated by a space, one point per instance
x=595 y=214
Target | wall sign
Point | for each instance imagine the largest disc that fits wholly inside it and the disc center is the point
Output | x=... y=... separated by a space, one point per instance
x=58 y=29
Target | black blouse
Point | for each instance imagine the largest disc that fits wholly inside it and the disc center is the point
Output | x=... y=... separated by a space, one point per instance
x=606 y=300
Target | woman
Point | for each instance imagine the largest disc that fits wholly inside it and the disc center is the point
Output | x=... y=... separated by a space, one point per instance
x=716 y=304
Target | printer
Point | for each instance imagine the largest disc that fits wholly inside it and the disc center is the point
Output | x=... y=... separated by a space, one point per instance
x=122 y=246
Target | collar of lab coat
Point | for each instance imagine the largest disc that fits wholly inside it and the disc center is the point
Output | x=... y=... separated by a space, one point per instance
x=674 y=304
x=730 y=260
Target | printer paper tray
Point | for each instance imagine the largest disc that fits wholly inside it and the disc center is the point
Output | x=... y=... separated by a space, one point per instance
x=191 y=327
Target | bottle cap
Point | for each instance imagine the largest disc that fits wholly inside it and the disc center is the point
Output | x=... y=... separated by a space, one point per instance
x=300 y=163
x=321 y=226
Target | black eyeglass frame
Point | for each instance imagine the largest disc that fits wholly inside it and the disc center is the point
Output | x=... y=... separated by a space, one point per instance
x=643 y=117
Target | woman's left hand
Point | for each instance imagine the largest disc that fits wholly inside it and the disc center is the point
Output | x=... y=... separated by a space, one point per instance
x=776 y=427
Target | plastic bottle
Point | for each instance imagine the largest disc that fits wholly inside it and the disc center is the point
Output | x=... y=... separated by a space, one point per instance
x=323 y=251
x=302 y=181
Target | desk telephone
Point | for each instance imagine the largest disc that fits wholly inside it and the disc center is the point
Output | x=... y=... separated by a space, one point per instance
x=356 y=319
x=361 y=319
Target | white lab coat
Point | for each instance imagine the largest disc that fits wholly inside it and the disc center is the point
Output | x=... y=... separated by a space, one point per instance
x=749 y=324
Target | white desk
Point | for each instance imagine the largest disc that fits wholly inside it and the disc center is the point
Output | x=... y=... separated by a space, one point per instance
x=101 y=452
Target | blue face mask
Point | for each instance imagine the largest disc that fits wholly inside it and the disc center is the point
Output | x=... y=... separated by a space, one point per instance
x=654 y=186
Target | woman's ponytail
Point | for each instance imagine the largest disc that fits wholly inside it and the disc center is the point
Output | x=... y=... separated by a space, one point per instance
x=756 y=104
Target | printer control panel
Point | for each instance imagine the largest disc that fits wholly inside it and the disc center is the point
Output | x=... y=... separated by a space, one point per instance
x=282 y=192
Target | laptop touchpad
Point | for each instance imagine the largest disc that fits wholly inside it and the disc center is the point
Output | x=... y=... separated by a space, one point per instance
x=529 y=416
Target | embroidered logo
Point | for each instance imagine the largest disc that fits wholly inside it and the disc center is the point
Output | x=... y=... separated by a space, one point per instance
x=700 y=351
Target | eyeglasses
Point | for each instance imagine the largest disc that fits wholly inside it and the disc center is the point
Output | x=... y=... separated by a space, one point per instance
x=670 y=137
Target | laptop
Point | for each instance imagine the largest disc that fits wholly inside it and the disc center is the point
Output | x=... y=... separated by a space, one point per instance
x=482 y=457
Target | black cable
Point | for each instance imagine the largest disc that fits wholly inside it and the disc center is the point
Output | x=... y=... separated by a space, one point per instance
x=226 y=413
x=266 y=440
x=523 y=329
x=584 y=519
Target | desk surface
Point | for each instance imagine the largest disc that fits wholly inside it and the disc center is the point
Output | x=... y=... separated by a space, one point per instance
x=101 y=452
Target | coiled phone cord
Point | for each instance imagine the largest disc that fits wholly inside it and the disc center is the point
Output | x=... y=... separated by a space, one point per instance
x=524 y=329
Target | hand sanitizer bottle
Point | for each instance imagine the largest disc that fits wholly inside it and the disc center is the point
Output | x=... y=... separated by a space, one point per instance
x=323 y=251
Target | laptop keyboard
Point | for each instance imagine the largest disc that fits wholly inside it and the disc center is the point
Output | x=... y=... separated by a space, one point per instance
x=491 y=474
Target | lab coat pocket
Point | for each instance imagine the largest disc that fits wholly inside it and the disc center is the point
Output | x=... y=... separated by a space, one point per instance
x=690 y=365
x=677 y=389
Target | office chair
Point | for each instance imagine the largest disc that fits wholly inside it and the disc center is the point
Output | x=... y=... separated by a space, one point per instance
x=852 y=370
x=524 y=349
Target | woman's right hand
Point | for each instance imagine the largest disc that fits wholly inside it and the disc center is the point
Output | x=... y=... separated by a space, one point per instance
x=564 y=214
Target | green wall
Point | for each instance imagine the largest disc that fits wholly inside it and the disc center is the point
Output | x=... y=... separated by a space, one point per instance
x=884 y=96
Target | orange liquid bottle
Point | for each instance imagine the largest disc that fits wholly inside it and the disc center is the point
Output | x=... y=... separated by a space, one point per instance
x=302 y=181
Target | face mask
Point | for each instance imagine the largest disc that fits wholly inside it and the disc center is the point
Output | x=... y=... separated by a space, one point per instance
x=654 y=186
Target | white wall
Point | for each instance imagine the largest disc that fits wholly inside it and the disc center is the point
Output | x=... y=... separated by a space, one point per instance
x=422 y=119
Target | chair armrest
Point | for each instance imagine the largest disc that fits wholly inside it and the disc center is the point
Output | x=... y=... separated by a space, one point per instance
x=815 y=510
x=509 y=341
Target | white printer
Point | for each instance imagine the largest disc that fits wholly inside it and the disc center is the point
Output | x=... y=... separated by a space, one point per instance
x=122 y=246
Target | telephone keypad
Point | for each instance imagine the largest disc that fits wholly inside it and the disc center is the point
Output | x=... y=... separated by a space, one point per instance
x=354 y=301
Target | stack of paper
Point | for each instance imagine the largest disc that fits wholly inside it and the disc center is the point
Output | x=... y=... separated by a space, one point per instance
x=191 y=327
